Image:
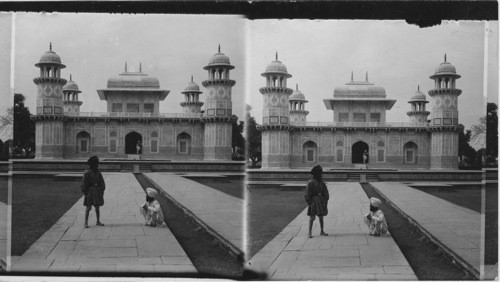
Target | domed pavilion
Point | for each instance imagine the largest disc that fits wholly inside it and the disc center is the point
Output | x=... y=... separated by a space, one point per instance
x=359 y=136
x=133 y=127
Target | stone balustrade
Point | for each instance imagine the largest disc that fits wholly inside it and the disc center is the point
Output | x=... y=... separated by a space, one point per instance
x=366 y=124
x=135 y=115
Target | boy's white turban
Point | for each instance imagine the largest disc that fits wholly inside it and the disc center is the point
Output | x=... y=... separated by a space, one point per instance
x=375 y=202
x=151 y=192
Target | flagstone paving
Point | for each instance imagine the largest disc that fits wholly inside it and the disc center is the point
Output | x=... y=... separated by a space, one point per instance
x=456 y=227
x=221 y=212
x=124 y=244
x=348 y=253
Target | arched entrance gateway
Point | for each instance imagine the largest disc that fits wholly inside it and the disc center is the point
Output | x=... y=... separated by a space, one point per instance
x=131 y=141
x=310 y=151
x=358 y=149
x=410 y=153
x=83 y=142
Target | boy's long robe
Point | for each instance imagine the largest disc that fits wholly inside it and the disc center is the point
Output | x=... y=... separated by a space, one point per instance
x=377 y=225
x=153 y=215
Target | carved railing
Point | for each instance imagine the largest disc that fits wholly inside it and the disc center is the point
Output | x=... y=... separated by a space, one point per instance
x=135 y=115
x=365 y=124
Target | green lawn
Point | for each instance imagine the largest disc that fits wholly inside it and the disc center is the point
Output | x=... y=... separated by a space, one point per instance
x=37 y=204
x=270 y=210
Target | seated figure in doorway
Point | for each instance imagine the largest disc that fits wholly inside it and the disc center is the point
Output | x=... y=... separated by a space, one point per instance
x=151 y=210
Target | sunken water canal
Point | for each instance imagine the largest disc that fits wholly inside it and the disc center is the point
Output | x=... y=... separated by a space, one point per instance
x=427 y=260
x=205 y=252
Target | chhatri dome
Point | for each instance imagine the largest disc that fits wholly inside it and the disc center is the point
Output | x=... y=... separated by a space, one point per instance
x=276 y=67
x=70 y=85
x=297 y=95
x=359 y=89
x=50 y=57
x=192 y=86
x=219 y=59
x=418 y=97
x=445 y=68
x=130 y=79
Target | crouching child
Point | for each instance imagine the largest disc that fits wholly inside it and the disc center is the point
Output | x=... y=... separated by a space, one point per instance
x=375 y=219
x=151 y=210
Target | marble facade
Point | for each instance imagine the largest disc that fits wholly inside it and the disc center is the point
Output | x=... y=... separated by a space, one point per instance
x=359 y=126
x=132 y=126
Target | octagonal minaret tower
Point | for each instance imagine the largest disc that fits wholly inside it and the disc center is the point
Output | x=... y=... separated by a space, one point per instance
x=70 y=98
x=418 y=114
x=191 y=104
x=298 y=113
x=275 y=116
x=49 y=107
x=444 y=119
x=218 y=114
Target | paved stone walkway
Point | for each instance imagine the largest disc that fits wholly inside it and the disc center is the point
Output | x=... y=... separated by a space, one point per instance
x=458 y=228
x=348 y=253
x=124 y=244
x=220 y=211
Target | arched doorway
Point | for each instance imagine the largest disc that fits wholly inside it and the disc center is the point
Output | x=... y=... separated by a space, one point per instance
x=184 y=143
x=411 y=151
x=131 y=141
x=309 y=150
x=83 y=142
x=358 y=149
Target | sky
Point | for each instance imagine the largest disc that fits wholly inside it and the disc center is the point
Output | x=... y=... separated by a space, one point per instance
x=320 y=55
x=95 y=47
x=5 y=64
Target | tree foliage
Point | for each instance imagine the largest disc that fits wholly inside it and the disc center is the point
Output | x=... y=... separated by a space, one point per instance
x=24 y=127
x=467 y=154
x=486 y=134
x=254 y=139
x=478 y=132
x=1 y=151
x=7 y=122
x=238 y=141
x=4 y=150
x=491 y=134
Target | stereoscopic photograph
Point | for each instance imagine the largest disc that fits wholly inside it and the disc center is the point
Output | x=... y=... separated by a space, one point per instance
x=219 y=146
x=372 y=137
x=130 y=158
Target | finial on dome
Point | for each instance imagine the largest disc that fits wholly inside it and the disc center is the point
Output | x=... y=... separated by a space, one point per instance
x=418 y=88
x=219 y=48
x=276 y=55
x=297 y=86
x=125 y=66
x=445 y=57
x=70 y=79
x=191 y=78
x=366 y=78
x=352 y=75
x=50 y=46
x=140 y=66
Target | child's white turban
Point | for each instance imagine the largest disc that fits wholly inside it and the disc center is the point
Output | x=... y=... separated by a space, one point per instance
x=375 y=202
x=151 y=192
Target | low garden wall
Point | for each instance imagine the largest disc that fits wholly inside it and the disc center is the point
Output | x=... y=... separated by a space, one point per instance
x=4 y=167
x=125 y=165
x=387 y=175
